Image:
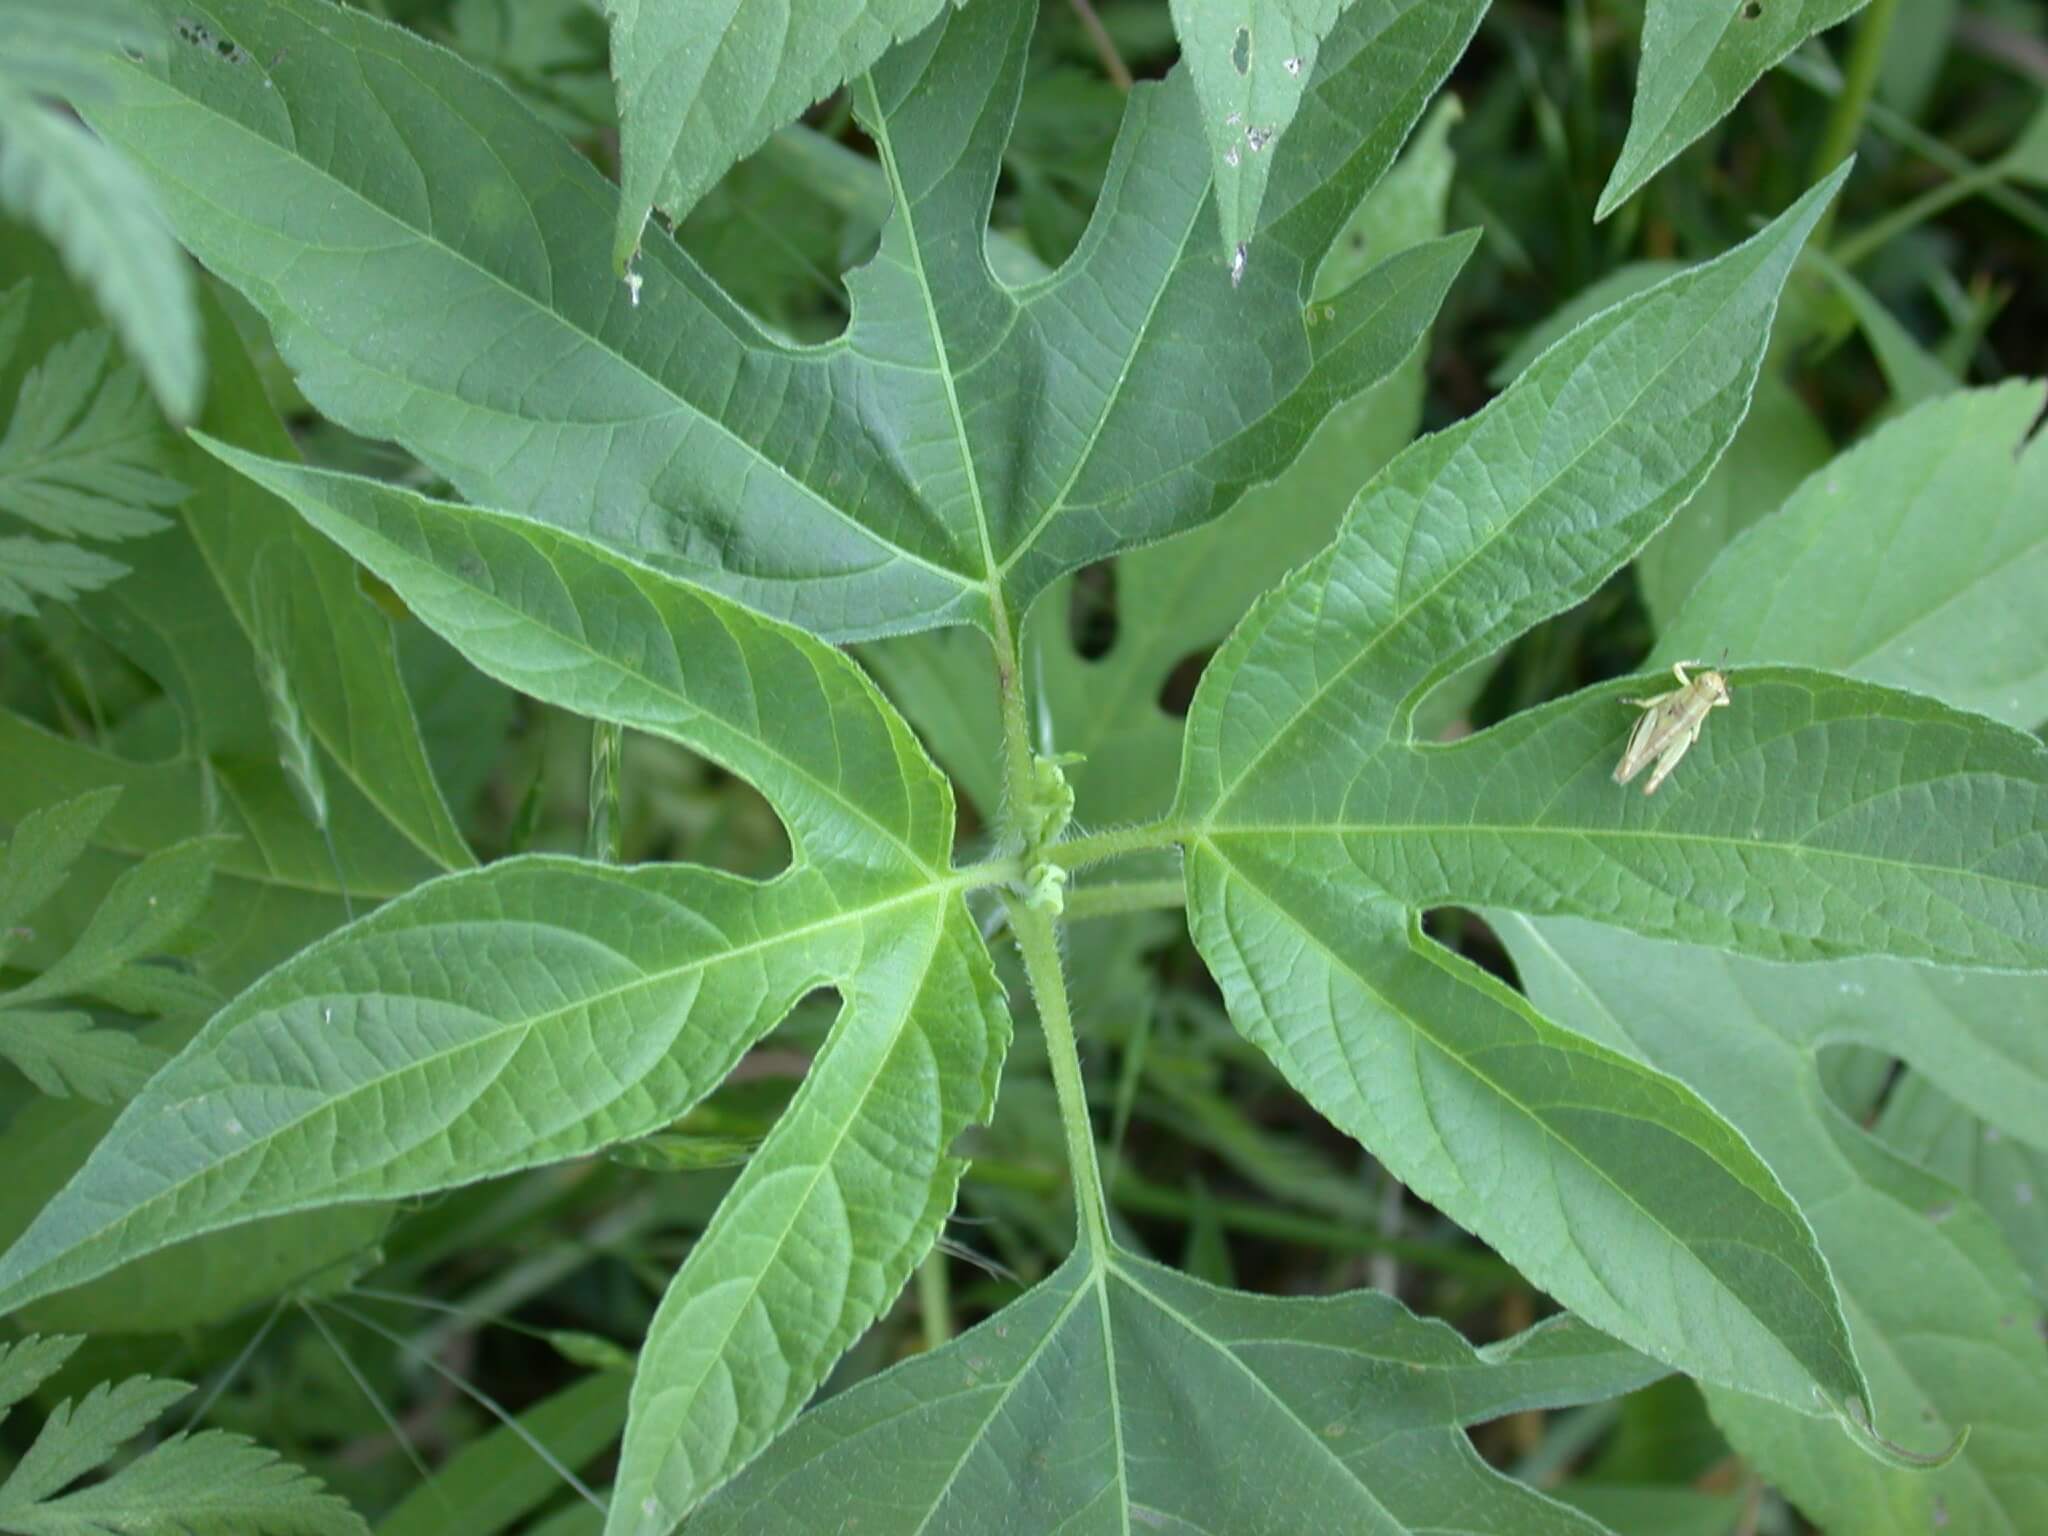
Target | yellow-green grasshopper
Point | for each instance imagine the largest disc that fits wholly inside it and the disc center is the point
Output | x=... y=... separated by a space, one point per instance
x=1670 y=724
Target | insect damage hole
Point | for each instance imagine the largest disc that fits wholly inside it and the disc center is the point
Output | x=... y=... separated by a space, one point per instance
x=201 y=37
x=1752 y=9
x=1241 y=51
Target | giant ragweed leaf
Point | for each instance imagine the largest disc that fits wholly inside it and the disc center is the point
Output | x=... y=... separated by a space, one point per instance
x=1940 y=1313
x=1823 y=817
x=1251 y=61
x=1346 y=1413
x=209 y=1484
x=1179 y=599
x=445 y=279
x=1697 y=61
x=1951 y=493
x=700 y=87
x=545 y=1008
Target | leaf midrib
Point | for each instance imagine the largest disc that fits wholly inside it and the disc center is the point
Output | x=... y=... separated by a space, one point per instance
x=1599 y=834
x=1265 y=1390
x=883 y=133
x=1028 y=541
x=1009 y=1388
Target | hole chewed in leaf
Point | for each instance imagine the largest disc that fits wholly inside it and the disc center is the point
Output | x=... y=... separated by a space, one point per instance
x=1092 y=611
x=1177 y=693
x=1241 y=51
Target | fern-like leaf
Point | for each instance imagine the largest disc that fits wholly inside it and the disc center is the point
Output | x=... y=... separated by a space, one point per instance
x=62 y=1051
x=209 y=1484
x=83 y=457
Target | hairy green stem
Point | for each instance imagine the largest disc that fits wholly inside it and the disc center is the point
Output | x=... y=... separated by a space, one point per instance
x=1076 y=852
x=1039 y=945
x=1125 y=896
x=1845 y=120
x=1016 y=718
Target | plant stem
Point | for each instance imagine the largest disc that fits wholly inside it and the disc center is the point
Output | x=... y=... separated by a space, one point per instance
x=1097 y=846
x=607 y=823
x=935 y=1299
x=1125 y=896
x=1016 y=718
x=1845 y=120
x=1040 y=948
x=1113 y=64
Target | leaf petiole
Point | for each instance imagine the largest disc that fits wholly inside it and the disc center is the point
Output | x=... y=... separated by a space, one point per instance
x=1078 y=852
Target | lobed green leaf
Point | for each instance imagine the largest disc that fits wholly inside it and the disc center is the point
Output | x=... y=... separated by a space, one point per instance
x=1897 y=562
x=1251 y=61
x=543 y=1009
x=1316 y=829
x=1939 y=1311
x=446 y=282
x=1346 y=1413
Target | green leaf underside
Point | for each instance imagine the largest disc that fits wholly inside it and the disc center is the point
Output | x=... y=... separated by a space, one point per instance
x=1971 y=1151
x=1941 y=1315
x=1697 y=62
x=1316 y=828
x=546 y=1008
x=445 y=281
x=701 y=86
x=575 y=624
x=1344 y=1414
